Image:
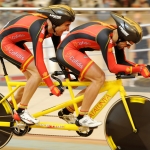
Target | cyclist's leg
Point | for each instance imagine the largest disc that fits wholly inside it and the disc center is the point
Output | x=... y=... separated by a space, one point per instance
x=97 y=78
x=71 y=107
x=29 y=89
x=90 y=94
x=32 y=83
x=19 y=92
x=24 y=61
x=27 y=92
x=83 y=66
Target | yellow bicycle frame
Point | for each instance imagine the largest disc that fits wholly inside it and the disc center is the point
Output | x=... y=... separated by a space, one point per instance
x=112 y=87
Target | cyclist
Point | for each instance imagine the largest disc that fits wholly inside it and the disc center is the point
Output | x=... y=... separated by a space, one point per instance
x=47 y=22
x=98 y=36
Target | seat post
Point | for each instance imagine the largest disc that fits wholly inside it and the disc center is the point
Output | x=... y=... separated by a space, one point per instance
x=3 y=66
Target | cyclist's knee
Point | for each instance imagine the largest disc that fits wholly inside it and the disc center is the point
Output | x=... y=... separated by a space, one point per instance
x=37 y=77
x=99 y=77
x=33 y=74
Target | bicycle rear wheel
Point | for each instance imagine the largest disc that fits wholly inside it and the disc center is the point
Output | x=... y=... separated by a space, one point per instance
x=118 y=130
x=6 y=116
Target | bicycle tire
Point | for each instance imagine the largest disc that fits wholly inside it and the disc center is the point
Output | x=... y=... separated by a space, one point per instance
x=5 y=115
x=118 y=130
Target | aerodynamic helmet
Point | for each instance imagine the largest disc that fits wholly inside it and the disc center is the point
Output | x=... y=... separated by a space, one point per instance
x=58 y=14
x=128 y=30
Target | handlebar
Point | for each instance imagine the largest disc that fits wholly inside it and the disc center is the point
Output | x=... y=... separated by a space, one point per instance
x=57 y=73
x=122 y=75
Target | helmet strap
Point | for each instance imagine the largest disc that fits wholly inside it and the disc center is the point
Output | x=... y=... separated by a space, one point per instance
x=53 y=27
x=119 y=40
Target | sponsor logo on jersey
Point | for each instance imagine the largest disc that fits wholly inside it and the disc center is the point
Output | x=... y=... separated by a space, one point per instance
x=55 y=16
x=17 y=36
x=82 y=44
x=123 y=31
x=12 y=52
x=74 y=60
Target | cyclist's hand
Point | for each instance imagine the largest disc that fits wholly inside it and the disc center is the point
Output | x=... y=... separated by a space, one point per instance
x=145 y=71
x=57 y=90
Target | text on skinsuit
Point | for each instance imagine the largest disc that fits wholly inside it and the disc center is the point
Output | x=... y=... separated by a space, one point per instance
x=12 y=52
x=84 y=43
x=17 y=36
x=79 y=64
x=100 y=105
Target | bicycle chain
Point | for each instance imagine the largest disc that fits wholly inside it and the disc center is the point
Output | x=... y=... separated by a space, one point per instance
x=52 y=135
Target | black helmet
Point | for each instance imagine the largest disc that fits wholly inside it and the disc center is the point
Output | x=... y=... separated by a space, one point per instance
x=128 y=30
x=58 y=14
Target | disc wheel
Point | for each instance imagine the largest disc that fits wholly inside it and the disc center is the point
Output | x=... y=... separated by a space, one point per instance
x=5 y=115
x=118 y=130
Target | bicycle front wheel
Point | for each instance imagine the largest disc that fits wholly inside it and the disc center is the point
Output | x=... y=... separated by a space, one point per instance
x=5 y=116
x=118 y=130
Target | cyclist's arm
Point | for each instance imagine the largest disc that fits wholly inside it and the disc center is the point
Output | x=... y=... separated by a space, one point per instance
x=38 y=34
x=106 y=44
x=116 y=66
x=121 y=58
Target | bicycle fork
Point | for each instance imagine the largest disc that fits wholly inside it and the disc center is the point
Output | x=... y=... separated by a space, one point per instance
x=123 y=94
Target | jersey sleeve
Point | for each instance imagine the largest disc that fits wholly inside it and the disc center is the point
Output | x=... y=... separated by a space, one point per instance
x=37 y=32
x=117 y=61
x=114 y=65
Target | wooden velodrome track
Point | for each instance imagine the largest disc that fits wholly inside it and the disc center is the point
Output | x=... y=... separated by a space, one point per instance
x=30 y=142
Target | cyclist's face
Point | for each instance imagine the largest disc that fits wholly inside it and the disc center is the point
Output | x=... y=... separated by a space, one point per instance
x=64 y=27
x=123 y=44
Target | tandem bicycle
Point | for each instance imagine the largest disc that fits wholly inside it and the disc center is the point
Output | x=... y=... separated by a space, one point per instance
x=126 y=125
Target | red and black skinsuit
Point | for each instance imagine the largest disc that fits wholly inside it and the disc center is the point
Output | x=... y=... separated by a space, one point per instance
x=92 y=36
x=27 y=28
